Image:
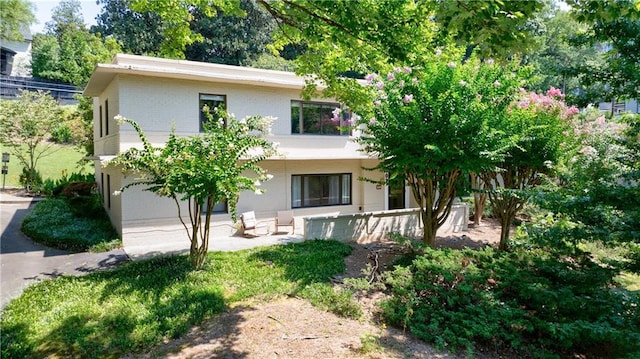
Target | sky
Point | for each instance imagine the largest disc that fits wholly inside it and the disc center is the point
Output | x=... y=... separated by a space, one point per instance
x=43 y=10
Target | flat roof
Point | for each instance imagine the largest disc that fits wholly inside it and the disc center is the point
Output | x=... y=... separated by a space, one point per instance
x=123 y=64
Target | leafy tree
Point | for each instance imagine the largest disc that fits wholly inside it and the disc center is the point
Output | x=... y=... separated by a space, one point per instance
x=14 y=16
x=139 y=33
x=228 y=38
x=614 y=25
x=203 y=170
x=540 y=126
x=558 y=59
x=431 y=127
x=177 y=17
x=25 y=127
x=68 y=52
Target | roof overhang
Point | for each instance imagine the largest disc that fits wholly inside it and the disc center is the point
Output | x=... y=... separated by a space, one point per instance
x=189 y=70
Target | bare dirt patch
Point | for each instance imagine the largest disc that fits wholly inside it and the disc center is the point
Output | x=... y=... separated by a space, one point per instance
x=292 y=328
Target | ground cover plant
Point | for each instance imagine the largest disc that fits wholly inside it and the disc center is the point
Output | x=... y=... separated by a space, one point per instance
x=533 y=303
x=72 y=217
x=108 y=314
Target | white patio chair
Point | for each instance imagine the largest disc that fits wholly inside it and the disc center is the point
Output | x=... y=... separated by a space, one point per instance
x=249 y=223
x=285 y=219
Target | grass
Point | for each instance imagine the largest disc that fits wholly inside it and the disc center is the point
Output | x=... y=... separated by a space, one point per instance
x=136 y=306
x=64 y=158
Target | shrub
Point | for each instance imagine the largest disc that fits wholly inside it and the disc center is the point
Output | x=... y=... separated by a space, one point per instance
x=54 y=222
x=61 y=134
x=528 y=301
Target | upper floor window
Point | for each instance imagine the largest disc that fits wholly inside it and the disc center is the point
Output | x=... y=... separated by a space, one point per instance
x=212 y=102
x=319 y=118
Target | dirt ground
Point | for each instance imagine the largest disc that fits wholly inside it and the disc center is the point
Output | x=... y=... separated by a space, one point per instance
x=292 y=328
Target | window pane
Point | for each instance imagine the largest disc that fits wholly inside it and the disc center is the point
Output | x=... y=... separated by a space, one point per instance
x=320 y=190
x=316 y=118
x=296 y=191
x=334 y=189
x=213 y=102
x=295 y=116
x=346 y=189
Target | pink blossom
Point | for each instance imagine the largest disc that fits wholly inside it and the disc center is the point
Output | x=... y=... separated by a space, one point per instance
x=438 y=52
x=391 y=76
x=565 y=133
x=378 y=103
x=407 y=98
x=600 y=121
x=397 y=69
x=572 y=111
x=496 y=84
x=462 y=83
x=524 y=103
x=414 y=81
x=490 y=62
x=380 y=85
x=370 y=78
x=554 y=92
x=407 y=70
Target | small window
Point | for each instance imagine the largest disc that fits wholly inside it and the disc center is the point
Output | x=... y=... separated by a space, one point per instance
x=213 y=102
x=106 y=117
x=108 y=191
x=320 y=190
x=218 y=208
x=101 y=119
x=318 y=118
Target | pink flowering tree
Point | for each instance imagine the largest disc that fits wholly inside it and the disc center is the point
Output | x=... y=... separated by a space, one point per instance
x=431 y=127
x=541 y=127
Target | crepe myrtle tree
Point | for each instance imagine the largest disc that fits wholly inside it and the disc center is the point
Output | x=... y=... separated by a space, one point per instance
x=431 y=127
x=541 y=125
x=202 y=169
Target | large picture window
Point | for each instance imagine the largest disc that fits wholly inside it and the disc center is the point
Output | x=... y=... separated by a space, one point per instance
x=317 y=118
x=211 y=101
x=320 y=190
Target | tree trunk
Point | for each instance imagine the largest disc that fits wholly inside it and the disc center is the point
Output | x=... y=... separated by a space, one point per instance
x=479 y=199
x=505 y=226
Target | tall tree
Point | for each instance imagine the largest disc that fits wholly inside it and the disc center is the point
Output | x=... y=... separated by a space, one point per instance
x=203 y=170
x=431 y=127
x=231 y=39
x=222 y=37
x=614 y=25
x=68 y=52
x=25 y=127
x=558 y=59
x=540 y=126
x=139 y=33
x=14 y=16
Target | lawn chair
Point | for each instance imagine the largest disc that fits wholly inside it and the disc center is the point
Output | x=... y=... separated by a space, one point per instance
x=285 y=219
x=249 y=223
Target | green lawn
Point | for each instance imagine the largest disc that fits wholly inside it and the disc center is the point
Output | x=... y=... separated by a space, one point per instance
x=136 y=306
x=63 y=158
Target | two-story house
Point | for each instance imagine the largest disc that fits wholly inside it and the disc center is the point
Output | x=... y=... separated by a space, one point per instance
x=317 y=174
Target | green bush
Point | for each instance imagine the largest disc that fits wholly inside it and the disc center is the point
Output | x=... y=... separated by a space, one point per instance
x=31 y=180
x=62 y=134
x=54 y=222
x=53 y=187
x=530 y=302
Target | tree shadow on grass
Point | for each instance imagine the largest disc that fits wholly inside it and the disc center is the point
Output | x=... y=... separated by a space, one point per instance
x=307 y=262
x=148 y=302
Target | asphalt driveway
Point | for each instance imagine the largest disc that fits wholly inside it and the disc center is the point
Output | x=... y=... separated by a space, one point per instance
x=23 y=261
